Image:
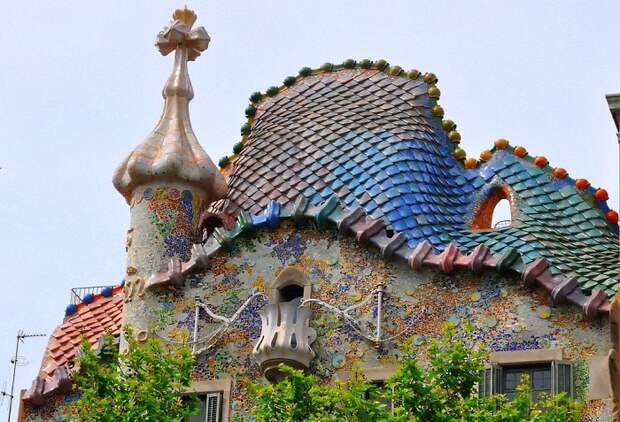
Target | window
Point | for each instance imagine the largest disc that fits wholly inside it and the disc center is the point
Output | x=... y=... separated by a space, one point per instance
x=501 y=215
x=290 y=292
x=494 y=211
x=550 y=377
x=290 y=284
x=210 y=408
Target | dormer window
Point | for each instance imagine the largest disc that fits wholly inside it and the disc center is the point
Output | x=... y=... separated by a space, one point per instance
x=495 y=211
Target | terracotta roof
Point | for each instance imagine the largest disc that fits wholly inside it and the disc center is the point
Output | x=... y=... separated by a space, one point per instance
x=92 y=321
x=375 y=137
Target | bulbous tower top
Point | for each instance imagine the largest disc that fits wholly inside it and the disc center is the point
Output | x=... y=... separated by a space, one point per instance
x=172 y=153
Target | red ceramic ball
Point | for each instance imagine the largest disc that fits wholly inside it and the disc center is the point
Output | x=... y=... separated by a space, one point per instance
x=601 y=194
x=581 y=184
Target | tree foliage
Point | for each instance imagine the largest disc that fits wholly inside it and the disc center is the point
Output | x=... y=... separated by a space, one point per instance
x=143 y=383
x=443 y=391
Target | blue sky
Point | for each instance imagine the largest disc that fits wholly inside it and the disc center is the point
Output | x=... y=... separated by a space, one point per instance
x=81 y=86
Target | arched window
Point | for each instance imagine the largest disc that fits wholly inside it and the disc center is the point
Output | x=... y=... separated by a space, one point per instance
x=495 y=211
x=502 y=214
x=290 y=284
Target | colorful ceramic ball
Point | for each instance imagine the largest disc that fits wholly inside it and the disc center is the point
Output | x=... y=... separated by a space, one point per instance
x=501 y=143
x=559 y=172
x=448 y=125
x=486 y=155
x=470 y=163
x=107 y=291
x=88 y=298
x=581 y=184
x=601 y=194
x=438 y=111
x=70 y=309
x=612 y=217
x=541 y=161
x=520 y=151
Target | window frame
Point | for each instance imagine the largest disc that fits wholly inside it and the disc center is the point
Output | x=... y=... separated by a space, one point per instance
x=220 y=410
x=220 y=386
x=562 y=373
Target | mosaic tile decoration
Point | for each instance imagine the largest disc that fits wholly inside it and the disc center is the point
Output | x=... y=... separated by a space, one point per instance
x=368 y=230
x=373 y=136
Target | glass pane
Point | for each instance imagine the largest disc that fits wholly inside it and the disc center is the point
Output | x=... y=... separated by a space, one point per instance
x=202 y=415
x=512 y=378
x=541 y=379
x=564 y=378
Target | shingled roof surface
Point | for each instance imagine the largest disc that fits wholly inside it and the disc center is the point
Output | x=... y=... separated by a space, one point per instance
x=375 y=138
x=91 y=321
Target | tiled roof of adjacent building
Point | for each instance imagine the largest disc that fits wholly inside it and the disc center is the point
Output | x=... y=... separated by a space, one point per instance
x=374 y=136
x=89 y=320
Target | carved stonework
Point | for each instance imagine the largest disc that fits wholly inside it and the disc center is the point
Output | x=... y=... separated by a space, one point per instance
x=285 y=338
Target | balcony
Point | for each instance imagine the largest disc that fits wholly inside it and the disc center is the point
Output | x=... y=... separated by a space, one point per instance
x=285 y=338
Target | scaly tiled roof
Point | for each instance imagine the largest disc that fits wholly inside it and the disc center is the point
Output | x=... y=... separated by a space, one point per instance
x=373 y=136
x=90 y=320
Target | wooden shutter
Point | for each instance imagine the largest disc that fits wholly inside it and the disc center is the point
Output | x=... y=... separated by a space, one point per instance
x=497 y=384
x=214 y=407
x=484 y=385
x=562 y=377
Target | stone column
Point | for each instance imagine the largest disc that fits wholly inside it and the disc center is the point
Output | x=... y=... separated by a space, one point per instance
x=163 y=225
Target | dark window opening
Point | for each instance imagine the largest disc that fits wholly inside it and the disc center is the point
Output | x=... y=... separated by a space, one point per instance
x=540 y=380
x=291 y=292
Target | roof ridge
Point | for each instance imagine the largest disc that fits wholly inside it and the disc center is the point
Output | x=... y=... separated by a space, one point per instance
x=598 y=196
x=368 y=230
x=90 y=298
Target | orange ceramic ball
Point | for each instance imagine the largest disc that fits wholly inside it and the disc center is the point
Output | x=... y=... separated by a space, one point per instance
x=601 y=195
x=559 y=172
x=470 y=163
x=486 y=155
x=612 y=217
x=541 y=161
x=520 y=151
x=501 y=143
x=581 y=184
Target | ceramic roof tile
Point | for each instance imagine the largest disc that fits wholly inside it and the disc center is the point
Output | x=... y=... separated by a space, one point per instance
x=371 y=138
x=91 y=321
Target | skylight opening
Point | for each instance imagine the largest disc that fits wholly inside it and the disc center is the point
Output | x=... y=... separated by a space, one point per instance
x=502 y=215
x=495 y=211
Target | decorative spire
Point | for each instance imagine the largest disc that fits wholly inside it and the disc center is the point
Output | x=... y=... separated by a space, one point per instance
x=171 y=153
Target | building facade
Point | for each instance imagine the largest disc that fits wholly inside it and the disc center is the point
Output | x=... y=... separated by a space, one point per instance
x=347 y=224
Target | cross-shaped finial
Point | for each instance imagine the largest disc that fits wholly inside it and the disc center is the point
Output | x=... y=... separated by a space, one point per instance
x=180 y=33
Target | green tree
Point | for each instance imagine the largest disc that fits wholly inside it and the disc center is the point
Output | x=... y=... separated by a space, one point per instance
x=442 y=391
x=143 y=383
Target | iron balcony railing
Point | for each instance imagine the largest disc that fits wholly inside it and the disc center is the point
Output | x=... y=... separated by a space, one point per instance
x=502 y=223
x=78 y=293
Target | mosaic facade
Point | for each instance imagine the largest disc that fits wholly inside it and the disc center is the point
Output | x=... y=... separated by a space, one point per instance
x=505 y=316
